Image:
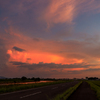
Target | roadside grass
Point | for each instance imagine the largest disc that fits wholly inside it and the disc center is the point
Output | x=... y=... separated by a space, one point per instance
x=16 y=87
x=97 y=82
x=5 y=81
x=67 y=93
x=95 y=87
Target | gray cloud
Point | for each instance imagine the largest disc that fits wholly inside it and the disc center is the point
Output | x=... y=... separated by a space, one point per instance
x=18 y=49
x=3 y=55
x=17 y=63
x=75 y=72
x=36 y=39
x=91 y=70
x=28 y=58
x=49 y=65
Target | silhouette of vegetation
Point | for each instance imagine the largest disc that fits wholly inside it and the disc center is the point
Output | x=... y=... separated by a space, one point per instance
x=24 y=78
x=92 y=78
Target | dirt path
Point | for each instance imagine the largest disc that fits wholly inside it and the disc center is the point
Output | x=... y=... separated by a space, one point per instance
x=84 y=92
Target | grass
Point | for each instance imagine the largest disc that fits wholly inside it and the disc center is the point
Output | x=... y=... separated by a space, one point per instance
x=97 y=82
x=95 y=87
x=16 y=87
x=67 y=93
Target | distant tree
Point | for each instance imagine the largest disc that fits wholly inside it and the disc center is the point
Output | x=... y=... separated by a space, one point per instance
x=23 y=78
x=37 y=79
x=93 y=78
x=87 y=78
x=33 y=78
x=14 y=81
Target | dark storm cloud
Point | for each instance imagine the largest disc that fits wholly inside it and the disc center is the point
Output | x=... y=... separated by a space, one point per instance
x=91 y=70
x=17 y=63
x=28 y=58
x=49 y=65
x=18 y=49
x=86 y=70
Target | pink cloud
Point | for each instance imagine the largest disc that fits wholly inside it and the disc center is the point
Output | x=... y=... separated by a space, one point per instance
x=65 y=11
x=47 y=51
x=59 y=12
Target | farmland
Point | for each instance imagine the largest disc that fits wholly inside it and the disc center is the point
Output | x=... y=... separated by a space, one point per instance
x=44 y=92
x=95 y=85
x=53 y=90
x=10 y=85
x=86 y=90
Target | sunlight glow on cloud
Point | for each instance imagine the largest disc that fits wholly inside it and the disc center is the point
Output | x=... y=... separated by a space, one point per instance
x=36 y=57
x=65 y=11
x=46 y=37
x=59 y=12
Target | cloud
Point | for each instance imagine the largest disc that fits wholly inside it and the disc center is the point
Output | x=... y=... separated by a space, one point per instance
x=17 y=63
x=24 y=27
x=29 y=14
x=18 y=49
x=28 y=58
x=65 y=11
x=52 y=66
x=57 y=70
x=3 y=56
x=37 y=39
x=59 y=12
x=29 y=18
x=50 y=51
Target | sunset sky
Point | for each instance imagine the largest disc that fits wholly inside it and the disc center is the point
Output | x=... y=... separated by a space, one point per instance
x=50 y=38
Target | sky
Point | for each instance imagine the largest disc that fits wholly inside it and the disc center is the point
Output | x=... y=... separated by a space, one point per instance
x=50 y=38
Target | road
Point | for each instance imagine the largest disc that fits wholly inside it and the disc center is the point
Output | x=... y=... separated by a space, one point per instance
x=41 y=93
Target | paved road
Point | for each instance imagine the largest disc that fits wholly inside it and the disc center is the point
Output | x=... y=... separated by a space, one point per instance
x=41 y=93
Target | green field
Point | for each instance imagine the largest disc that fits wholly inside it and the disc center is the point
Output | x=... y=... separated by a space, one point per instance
x=16 y=87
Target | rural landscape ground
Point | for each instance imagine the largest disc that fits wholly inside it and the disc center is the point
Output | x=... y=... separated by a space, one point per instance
x=49 y=49
x=83 y=92
x=54 y=90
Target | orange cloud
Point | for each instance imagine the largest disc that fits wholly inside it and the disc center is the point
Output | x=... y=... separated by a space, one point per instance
x=17 y=56
x=74 y=69
x=47 y=51
x=36 y=57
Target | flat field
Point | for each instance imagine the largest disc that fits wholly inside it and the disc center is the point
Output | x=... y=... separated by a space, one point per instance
x=10 y=87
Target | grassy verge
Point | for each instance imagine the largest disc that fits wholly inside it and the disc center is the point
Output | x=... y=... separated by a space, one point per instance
x=67 y=93
x=16 y=87
x=96 y=82
x=95 y=88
